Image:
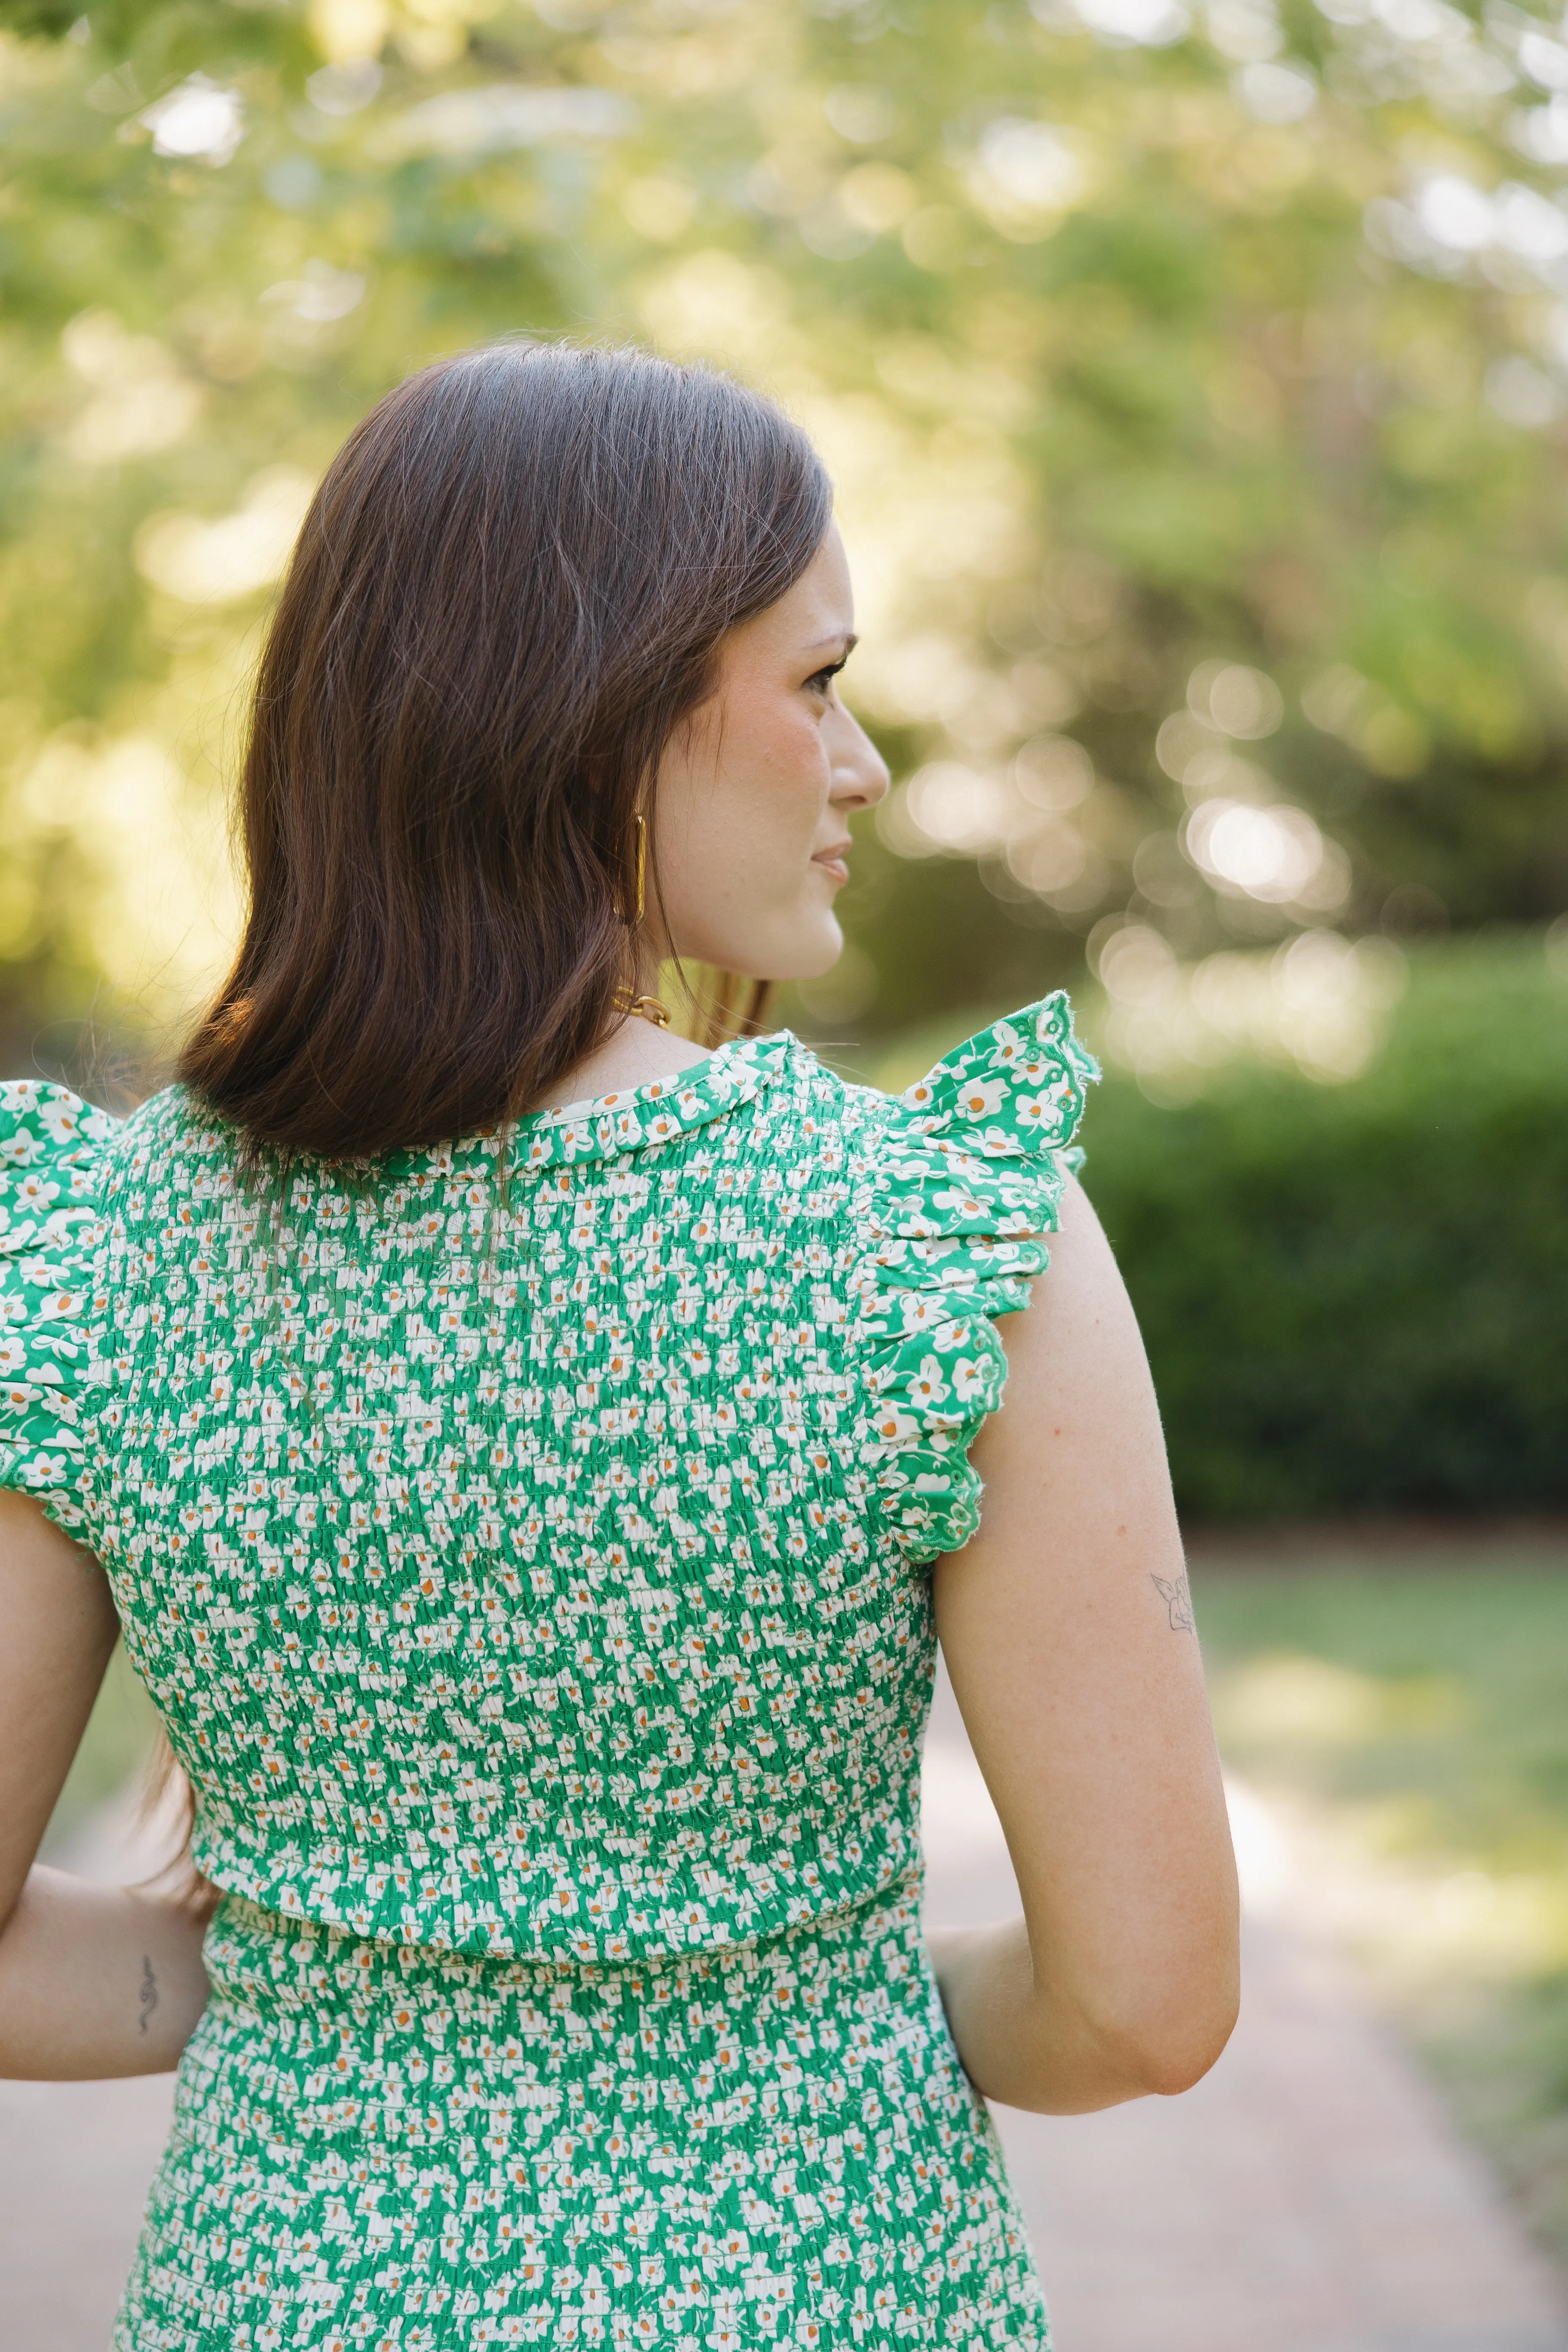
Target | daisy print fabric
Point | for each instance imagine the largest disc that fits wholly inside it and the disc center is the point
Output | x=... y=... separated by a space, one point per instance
x=526 y=1542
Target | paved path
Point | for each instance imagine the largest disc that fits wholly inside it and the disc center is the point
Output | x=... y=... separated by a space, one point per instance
x=1310 y=2196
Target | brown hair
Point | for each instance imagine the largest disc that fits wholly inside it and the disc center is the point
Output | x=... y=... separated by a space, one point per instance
x=509 y=589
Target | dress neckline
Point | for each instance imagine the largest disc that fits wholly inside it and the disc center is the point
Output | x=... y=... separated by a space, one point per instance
x=633 y=1117
x=592 y=1106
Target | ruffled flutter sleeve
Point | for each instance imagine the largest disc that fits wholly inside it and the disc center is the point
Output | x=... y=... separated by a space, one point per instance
x=49 y=1141
x=970 y=1184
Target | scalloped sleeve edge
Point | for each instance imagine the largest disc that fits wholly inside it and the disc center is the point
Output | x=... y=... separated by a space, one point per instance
x=966 y=1192
x=47 y=1216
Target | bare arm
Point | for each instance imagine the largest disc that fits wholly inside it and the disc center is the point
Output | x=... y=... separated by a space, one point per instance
x=1069 y=1639
x=94 y=1980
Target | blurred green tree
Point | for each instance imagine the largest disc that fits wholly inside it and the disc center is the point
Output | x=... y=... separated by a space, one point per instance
x=1195 y=380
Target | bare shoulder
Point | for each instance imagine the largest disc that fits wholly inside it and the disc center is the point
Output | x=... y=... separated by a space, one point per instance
x=1078 y=1378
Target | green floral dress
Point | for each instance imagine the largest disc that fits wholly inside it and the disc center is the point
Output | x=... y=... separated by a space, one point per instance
x=529 y=1554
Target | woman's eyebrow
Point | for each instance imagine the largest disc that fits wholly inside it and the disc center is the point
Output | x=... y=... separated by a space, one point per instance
x=844 y=637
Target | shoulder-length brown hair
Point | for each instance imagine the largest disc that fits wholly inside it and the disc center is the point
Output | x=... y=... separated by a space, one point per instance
x=509 y=589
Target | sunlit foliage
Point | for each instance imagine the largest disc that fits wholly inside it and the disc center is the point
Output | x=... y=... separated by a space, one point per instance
x=1194 y=380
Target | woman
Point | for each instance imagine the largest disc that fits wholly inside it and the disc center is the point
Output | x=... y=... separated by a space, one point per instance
x=530 y=1457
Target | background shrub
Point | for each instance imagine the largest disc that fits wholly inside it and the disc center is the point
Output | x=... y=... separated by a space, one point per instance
x=1355 y=1297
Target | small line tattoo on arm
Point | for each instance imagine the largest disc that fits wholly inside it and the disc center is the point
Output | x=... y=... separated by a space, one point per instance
x=149 y=1994
x=1178 y=1600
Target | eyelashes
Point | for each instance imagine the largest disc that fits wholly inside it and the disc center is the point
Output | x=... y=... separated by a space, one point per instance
x=823 y=678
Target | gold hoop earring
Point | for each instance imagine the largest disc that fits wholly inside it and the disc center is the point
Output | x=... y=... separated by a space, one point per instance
x=641 y=863
x=646 y=1008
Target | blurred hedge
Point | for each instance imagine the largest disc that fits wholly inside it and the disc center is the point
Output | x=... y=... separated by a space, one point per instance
x=1356 y=1298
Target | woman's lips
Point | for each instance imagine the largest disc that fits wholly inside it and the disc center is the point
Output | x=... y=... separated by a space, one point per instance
x=832 y=861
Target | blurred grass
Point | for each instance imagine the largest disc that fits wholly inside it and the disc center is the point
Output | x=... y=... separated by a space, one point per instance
x=1406 y=1714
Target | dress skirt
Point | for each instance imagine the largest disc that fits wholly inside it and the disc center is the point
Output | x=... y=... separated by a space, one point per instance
x=380 y=2145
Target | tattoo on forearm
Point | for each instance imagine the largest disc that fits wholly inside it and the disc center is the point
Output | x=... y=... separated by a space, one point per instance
x=149 y=1995
x=1178 y=1601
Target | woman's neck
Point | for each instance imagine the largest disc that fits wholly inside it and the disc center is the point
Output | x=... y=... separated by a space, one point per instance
x=635 y=1053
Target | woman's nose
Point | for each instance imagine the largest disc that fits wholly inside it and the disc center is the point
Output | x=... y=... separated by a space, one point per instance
x=859 y=771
